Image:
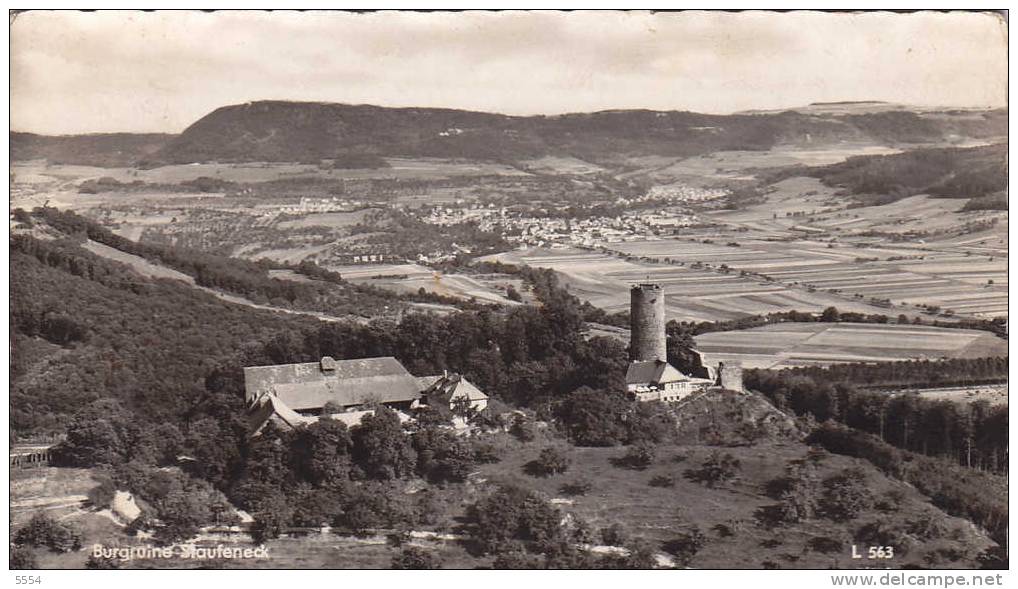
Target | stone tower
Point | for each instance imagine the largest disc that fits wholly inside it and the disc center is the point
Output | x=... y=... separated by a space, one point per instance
x=730 y=375
x=647 y=323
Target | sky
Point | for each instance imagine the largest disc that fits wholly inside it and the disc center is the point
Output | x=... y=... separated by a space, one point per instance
x=75 y=72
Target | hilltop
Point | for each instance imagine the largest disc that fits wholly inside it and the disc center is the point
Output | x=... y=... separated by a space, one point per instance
x=100 y=149
x=360 y=135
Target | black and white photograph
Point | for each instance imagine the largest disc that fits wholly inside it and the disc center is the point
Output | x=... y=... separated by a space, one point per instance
x=509 y=289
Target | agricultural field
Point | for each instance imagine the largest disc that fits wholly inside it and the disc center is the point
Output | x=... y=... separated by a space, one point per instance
x=992 y=394
x=561 y=165
x=332 y=219
x=410 y=278
x=899 y=278
x=784 y=345
x=691 y=294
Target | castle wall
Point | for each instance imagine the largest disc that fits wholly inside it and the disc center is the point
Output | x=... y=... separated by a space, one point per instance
x=647 y=323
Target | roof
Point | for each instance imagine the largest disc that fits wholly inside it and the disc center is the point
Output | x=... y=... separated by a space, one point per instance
x=310 y=385
x=653 y=371
x=352 y=418
x=452 y=385
x=267 y=407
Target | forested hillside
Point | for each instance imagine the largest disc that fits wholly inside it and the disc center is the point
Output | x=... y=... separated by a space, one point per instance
x=85 y=328
x=362 y=135
x=101 y=149
x=947 y=173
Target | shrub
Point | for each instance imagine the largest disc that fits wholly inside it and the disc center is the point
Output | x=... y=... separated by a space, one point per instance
x=576 y=488
x=890 y=501
x=486 y=452
x=825 y=544
x=926 y=527
x=101 y=563
x=728 y=529
x=664 y=481
x=685 y=546
x=523 y=428
x=517 y=559
x=638 y=456
x=614 y=535
x=881 y=533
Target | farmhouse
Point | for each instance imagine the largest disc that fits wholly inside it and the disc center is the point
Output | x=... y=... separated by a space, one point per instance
x=291 y=395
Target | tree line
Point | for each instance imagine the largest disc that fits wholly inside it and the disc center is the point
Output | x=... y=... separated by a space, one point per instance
x=971 y=434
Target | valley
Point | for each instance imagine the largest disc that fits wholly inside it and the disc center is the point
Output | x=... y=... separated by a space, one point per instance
x=483 y=247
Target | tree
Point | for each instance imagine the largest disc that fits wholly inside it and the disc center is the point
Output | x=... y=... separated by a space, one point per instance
x=845 y=495
x=268 y=525
x=797 y=492
x=413 y=558
x=321 y=453
x=830 y=315
x=639 y=455
x=595 y=418
x=102 y=495
x=514 y=514
x=43 y=531
x=549 y=462
x=522 y=427
x=101 y=433
x=381 y=448
x=22 y=558
x=639 y=556
x=716 y=469
x=513 y=295
x=442 y=456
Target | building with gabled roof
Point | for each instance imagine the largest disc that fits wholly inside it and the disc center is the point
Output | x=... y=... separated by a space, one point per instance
x=452 y=390
x=291 y=395
x=656 y=380
x=307 y=387
x=268 y=408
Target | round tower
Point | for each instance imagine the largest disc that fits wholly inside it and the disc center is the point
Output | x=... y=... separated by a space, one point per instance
x=647 y=323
